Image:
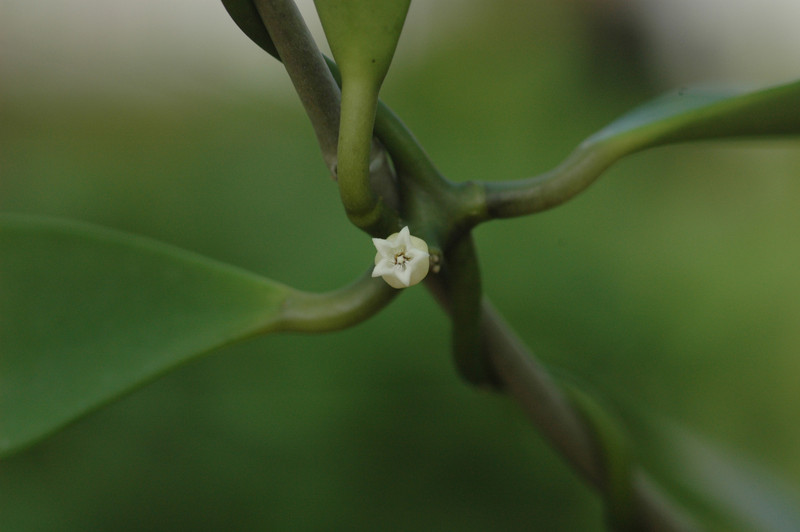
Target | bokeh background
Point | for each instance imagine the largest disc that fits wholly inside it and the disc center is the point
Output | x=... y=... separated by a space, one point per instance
x=671 y=285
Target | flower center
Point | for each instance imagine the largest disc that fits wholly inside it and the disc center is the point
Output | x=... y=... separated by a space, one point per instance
x=400 y=259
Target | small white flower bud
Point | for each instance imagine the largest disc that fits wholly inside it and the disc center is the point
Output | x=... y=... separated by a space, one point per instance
x=402 y=260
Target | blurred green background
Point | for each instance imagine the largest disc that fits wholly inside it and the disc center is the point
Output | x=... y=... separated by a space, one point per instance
x=670 y=285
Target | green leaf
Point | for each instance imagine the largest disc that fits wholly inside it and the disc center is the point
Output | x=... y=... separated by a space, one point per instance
x=696 y=114
x=87 y=314
x=246 y=16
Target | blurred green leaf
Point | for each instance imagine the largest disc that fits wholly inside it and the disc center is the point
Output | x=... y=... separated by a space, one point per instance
x=736 y=488
x=87 y=314
x=696 y=114
x=728 y=491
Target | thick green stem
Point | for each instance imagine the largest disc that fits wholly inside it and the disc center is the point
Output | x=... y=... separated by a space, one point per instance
x=355 y=136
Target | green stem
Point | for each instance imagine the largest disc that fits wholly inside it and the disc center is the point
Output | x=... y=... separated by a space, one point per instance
x=355 y=137
x=462 y=279
x=339 y=309
x=700 y=115
x=306 y=67
x=466 y=202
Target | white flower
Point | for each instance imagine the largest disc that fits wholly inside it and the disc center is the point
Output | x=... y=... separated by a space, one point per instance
x=402 y=260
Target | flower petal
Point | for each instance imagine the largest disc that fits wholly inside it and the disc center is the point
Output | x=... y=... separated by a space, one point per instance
x=384 y=247
x=403 y=239
x=384 y=267
x=404 y=275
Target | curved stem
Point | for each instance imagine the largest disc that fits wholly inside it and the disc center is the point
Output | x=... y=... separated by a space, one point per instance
x=339 y=309
x=364 y=208
x=407 y=154
x=680 y=117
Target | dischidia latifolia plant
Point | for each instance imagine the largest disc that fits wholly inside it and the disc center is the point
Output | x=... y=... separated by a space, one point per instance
x=420 y=224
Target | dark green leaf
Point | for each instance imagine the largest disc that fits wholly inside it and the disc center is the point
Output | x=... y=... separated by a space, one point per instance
x=245 y=15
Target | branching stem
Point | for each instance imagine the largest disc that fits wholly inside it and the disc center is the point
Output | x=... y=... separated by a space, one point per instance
x=519 y=374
